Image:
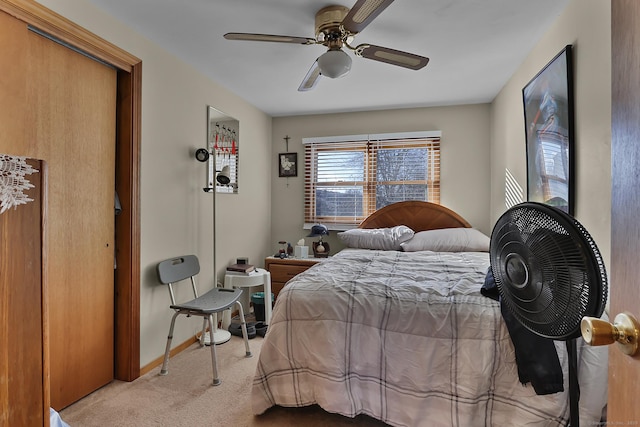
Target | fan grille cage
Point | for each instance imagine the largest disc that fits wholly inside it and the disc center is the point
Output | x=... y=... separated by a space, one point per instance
x=548 y=270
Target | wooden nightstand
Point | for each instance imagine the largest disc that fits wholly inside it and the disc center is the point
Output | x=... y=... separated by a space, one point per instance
x=284 y=269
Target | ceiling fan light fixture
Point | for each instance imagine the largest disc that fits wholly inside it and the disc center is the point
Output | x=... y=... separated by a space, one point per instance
x=334 y=63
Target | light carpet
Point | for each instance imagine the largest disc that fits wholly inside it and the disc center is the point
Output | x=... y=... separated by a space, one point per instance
x=185 y=397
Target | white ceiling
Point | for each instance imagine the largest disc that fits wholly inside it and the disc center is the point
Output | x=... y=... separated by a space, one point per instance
x=474 y=46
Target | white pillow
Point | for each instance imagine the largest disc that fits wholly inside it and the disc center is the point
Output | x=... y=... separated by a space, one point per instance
x=448 y=240
x=386 y=239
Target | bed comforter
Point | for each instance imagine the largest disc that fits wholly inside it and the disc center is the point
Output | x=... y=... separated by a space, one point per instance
x=407 y=338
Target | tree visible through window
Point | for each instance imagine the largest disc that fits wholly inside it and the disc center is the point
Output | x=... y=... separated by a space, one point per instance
x=348 y=178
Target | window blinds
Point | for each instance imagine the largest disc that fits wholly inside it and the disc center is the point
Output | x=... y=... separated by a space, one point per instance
x=349 y=177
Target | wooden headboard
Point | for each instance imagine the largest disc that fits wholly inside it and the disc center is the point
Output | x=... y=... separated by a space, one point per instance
x=418 y=216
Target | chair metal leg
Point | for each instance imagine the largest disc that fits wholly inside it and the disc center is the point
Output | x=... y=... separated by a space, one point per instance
x=214 y=363
x=204 y=331
x=245 y=335
x=167 y=350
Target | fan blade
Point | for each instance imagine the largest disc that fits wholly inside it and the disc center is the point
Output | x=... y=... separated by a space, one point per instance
x=269 y=38
x=362 y=13
x=392 y=56
x=312 y=77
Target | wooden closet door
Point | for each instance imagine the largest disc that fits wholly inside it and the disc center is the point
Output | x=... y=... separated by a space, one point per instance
x=71 y=103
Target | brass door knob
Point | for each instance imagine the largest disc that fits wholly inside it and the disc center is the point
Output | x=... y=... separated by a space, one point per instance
x=625 y=331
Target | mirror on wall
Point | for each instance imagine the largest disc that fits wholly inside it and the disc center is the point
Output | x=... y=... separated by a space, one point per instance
x=223 y=135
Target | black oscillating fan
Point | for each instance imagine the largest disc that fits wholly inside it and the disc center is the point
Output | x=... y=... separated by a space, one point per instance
x=550 y=275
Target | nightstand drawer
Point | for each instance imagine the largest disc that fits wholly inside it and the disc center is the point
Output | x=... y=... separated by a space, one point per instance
x=284 y=269
x=283 y=272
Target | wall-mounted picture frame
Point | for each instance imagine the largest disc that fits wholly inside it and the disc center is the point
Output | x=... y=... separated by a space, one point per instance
x=287 y=164
x=549 y=130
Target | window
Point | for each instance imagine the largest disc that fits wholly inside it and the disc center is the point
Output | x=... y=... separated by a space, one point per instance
x=349 y=177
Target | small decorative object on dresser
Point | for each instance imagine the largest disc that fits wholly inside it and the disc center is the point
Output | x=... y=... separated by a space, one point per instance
x=283 y=270
x=320 y=248
x=282 y=251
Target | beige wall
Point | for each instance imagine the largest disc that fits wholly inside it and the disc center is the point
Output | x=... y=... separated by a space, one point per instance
x=176 y=213
x=585 y=24
x=464 y=159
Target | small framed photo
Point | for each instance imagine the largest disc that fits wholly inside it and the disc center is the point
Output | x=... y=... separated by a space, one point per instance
x=287 y=164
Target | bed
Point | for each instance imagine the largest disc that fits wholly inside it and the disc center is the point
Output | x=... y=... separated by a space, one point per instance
x=396 y=327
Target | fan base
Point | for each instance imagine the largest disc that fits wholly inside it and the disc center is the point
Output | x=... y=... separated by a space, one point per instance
x=328 y=19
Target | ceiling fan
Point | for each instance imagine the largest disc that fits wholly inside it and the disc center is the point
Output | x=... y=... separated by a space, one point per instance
x=336 y=27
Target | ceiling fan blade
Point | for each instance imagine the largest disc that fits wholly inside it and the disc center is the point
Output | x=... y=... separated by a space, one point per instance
x=362 y=13
x=392 y=56
x=269 y=38
x=311 y=79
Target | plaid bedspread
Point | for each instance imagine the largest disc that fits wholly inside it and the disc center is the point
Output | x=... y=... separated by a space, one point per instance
x=408 y=339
